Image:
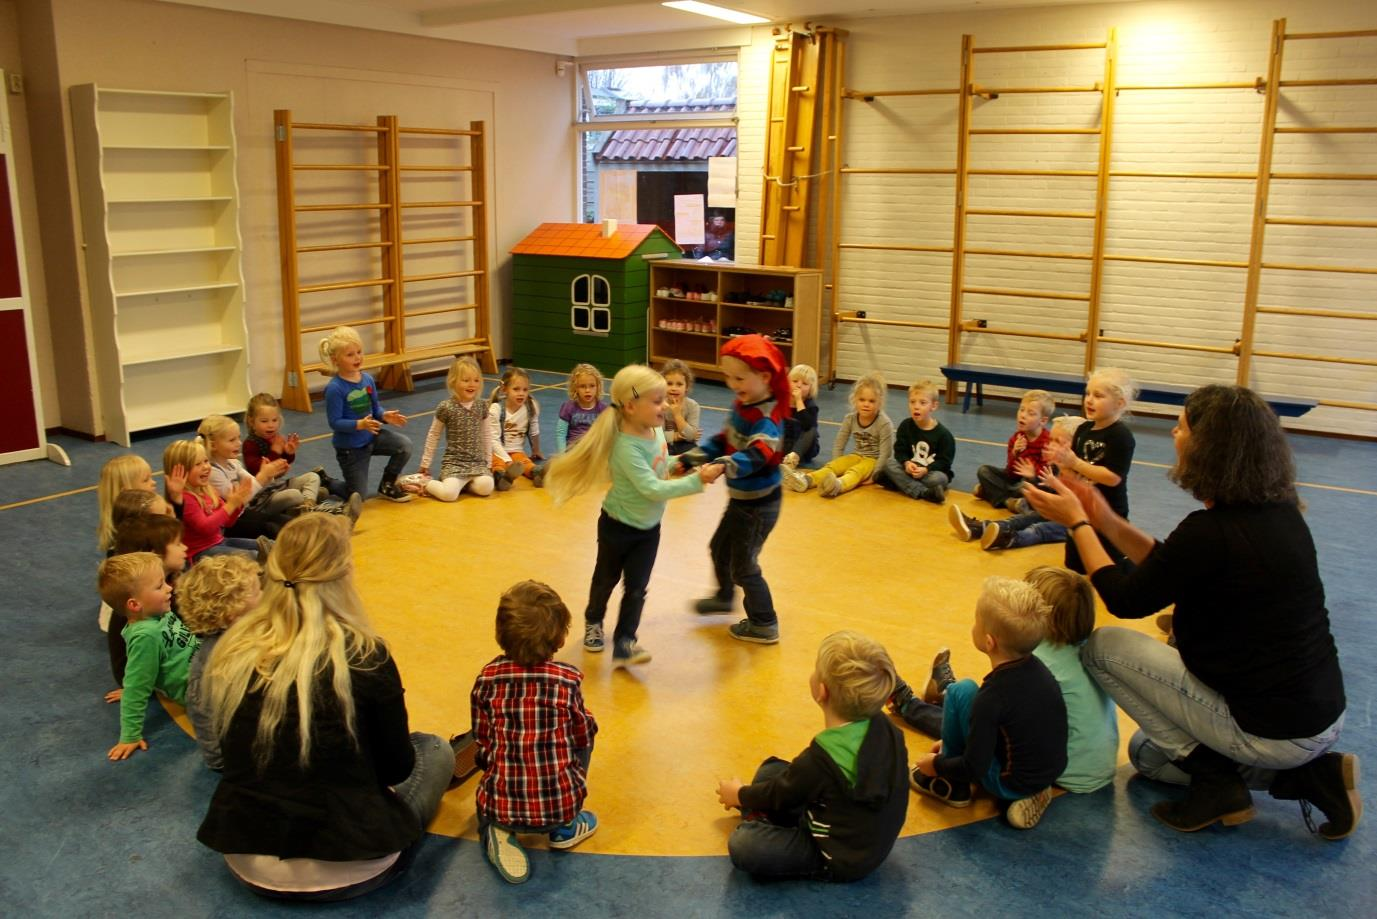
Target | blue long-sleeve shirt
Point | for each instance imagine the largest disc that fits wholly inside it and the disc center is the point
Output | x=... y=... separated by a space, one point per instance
x=749 y=446
x=345 y=404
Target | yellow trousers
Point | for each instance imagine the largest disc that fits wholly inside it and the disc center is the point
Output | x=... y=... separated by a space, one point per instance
x=851 y=469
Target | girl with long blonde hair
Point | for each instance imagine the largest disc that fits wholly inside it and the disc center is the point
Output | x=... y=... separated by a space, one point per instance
x=627 y=446
x=205 y=515
x=462 y=420
x=323 y=782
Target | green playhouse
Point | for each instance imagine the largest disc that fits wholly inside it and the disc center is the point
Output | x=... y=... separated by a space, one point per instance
x=582 y=296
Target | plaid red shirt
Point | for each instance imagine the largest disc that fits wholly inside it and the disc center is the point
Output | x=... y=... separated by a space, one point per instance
x=528 y=724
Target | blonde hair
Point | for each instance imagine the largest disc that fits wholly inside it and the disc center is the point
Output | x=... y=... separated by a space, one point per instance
x=118 y=474
x=1117 y=382
x=309 y=625
x=674 y=365
x=926 y=387
x=872 y=381
x=120 y=575
x=1070 y=600
x=532 y=623
x=1042 y=399
x=1013 y=612
x=215 y=426
x=1066 y=424
x=499 y=392
x=215 y=591
x=581 y=370
x=340 y=338
x=586 y=465
x=131 y=503
x=187 y=453
x=808 y=377
x=456 y=374
x=857 y=672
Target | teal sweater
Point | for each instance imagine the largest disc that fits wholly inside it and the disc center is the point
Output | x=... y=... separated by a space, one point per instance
x=640 y=480
x=159 y=649
x=1092 y=723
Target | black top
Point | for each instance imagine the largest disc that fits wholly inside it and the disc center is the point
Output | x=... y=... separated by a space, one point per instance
x=853 y=826
x=1250 y=617
x=1110 y=447
x=935 y=449
x=801 y=432
x=340 y=808
x=1018 y=718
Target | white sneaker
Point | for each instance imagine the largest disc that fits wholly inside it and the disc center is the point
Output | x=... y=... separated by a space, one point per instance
x=592 y=637
x=795 y=480
x=790 y=461
x=1025 y=813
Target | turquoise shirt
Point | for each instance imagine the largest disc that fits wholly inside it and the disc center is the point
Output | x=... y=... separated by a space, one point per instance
x=640 y=480
x=158 y=651
x=1092 y=724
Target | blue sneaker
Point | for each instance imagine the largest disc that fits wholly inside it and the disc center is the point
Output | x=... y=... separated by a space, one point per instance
x=506 y=855
x=575 y=831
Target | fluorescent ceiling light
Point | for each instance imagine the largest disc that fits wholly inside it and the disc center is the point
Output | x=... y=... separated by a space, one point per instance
x=716 y=12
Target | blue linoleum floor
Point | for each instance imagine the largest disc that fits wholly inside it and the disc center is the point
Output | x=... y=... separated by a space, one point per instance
x=82 y=837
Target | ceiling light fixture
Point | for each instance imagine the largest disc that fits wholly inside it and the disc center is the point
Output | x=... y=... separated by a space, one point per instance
x=716 y=12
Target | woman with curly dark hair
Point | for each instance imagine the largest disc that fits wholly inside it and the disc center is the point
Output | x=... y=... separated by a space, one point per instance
x=1253 y=686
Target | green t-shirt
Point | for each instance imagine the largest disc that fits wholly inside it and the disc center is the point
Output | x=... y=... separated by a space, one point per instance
x=843 y=744
x=640 y=482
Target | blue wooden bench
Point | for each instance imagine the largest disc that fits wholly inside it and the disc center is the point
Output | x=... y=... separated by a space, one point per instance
x=975 y=376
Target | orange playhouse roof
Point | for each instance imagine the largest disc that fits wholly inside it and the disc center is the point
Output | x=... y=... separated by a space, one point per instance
x=585 y=240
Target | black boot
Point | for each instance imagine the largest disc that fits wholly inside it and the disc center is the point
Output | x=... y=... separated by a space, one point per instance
x=1329 y=782
x=1218 y=794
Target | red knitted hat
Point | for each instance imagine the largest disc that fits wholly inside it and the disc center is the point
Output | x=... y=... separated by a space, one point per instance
x=761 y=355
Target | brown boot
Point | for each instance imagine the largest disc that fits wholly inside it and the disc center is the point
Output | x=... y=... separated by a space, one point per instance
x=1329 y=782
x=1218 y=794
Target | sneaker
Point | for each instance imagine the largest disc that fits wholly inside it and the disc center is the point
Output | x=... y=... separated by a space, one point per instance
x=709 y=605
x=413 y=483
x=626 y=653
x=937 y=494
x=575 y=831
x=902 y=694
x=465 y=755
x=941 y=789
x=506 y=855
x=354 y=508
x=500 y=480
x=996 y=537
x=831 y=486
x=942 y=677
x=538 y=476
x=393 y=492
x=796 y=481
x=967 y=528
x=745 y=630
x=790 y=461
x=1025 y=813
x=1012 y=504
x=978 y=492
x=265 y=548
x=592 y=637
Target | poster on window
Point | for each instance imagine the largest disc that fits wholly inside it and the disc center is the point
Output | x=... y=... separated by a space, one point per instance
x=721 y=181
x=689 y=219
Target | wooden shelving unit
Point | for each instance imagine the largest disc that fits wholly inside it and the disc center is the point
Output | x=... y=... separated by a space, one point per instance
x=159 y=206
x=741 y=302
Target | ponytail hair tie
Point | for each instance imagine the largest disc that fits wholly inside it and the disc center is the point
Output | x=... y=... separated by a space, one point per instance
x=290 y=585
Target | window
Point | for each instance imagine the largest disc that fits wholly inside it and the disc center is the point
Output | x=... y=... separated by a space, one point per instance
x=579 y=315
x=590 y=299
x=648 y=130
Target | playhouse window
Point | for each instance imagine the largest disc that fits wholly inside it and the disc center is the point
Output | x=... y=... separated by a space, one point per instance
x=602 y=291
x=590 y=299
x=578 y=290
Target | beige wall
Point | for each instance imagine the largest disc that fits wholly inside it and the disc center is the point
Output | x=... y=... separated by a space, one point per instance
x=140 y=44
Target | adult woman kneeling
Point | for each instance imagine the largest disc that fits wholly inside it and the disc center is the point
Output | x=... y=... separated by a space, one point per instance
x=1254 y=680
x=325 y=793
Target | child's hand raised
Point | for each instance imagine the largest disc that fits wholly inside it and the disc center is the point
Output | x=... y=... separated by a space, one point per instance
x=711 y=472
x=240 y=496
x=729 y=792
x=1020 y=442
x=293 y=441
x=1062 y=455
x=176 y=483
x=125 y=750
x=392 y=416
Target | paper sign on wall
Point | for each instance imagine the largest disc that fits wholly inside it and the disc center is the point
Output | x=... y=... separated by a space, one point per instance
x=689 y=220
x=721 y=181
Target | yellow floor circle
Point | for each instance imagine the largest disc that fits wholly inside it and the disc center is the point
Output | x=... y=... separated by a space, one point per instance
x=707 y=706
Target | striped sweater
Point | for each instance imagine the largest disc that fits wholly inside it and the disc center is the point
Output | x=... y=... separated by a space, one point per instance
x=749 y=446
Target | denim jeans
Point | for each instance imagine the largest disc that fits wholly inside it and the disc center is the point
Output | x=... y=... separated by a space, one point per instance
x=1032 y=529
x=625 y=554
x=895 y=478
x=353 y=461
x=1176 y=711
x=956 y=727
x=232 y=545
x=777 y=846
x=735 y=550
x=996 y=486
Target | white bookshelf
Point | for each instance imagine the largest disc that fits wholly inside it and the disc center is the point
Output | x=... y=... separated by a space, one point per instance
x=159 y=205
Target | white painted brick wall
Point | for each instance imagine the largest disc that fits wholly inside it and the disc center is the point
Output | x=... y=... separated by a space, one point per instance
x=1200 y=131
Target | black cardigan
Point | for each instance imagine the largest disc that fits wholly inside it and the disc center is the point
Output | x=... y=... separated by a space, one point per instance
x=1250 y=617
x=340 y=807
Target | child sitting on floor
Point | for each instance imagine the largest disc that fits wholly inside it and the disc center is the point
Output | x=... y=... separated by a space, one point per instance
x=265 y=443
x=1101 y=451
x=159 y=646
x=273 y=499
x=157 y=533
x=210 y=597
x=801 y=442
x=513 y=418
x=582 y=408
x=463 y=420
x=836 y=810
x=532 y=733
x=874 y=434
x=681 y=412
x=920 y=465
x=122 y=473
x=1024 y=459
x=1008 y=734
x=1027 y=527
x=205 y=515
x=1092 y=726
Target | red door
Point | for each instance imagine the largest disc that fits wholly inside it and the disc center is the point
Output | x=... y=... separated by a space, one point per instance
x=20 y=431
